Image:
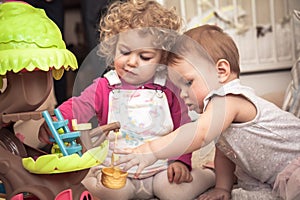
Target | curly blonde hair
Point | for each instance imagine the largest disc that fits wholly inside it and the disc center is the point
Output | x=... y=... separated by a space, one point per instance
x=147 y=15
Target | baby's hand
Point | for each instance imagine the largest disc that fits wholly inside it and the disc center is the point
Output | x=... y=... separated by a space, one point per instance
x=216 y=194
x=179 y=173
x=141 y=156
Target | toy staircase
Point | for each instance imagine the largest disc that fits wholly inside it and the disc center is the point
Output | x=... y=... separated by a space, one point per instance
x=63 y=137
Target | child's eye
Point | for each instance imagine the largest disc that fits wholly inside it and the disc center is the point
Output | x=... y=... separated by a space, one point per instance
x=124 y=52
x=189 y=83
x=146 y=58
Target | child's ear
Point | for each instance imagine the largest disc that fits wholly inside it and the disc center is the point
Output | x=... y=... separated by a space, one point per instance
x=223 y=69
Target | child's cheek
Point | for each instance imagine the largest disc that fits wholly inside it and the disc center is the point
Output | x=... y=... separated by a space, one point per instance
x=119 y=65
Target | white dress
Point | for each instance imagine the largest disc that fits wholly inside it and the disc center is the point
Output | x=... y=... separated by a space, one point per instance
x=263 y=147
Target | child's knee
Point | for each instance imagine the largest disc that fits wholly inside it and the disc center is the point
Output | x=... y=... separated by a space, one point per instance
x=165 y=190
x=203 y=179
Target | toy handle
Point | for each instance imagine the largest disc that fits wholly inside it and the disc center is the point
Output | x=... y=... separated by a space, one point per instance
x=93 y=138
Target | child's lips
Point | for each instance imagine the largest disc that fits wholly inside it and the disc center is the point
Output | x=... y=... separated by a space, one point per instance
x=190 y=106
x=130 y=72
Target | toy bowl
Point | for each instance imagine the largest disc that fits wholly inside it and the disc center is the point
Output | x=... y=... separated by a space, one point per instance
x=113 y=177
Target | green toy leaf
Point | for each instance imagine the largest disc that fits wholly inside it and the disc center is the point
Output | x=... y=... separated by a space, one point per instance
x=52 y=164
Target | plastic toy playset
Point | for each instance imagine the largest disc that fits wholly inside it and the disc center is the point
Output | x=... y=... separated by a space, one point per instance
x=32 y=52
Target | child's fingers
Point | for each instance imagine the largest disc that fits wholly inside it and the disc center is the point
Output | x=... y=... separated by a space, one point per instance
x=139 y=170
x=129 y=161
x=137 y=173
x=123 y=151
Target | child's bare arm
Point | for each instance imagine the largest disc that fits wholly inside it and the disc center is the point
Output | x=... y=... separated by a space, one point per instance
x=225 y=178
x=218 y=116
x=224 y=168
x=187 y=138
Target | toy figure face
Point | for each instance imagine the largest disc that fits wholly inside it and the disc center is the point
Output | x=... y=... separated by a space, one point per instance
x=25 y=91
x=136 y=57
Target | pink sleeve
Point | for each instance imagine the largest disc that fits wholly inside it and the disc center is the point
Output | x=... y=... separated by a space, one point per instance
x=179 y=113
x=92 y=101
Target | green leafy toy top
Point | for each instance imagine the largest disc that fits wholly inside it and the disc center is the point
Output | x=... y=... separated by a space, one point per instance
x=39 y=47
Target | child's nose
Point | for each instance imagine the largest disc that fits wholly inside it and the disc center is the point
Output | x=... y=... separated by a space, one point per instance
x=183 y=94
x=132 y=60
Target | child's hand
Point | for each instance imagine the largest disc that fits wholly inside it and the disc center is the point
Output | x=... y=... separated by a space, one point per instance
x=216 y=194
x=45 y=133
x=141 y=156
x=179 y=173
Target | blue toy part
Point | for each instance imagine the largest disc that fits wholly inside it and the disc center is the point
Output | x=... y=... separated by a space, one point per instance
x=66 y=140
x=2 y=189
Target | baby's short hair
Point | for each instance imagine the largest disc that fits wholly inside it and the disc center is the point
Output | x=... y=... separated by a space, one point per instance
x=208 y=40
